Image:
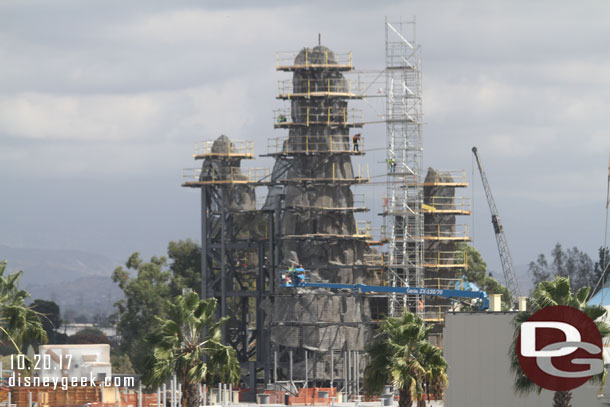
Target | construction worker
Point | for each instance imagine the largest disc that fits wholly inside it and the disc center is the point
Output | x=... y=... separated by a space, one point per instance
x=391 y=164
x=355 y=141
x=420 y=304
x=299 y=275
x=281 y=118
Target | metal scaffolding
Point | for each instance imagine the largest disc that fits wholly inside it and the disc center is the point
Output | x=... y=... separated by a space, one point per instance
x=237 y=248
x=405 y=224
x=309 y=216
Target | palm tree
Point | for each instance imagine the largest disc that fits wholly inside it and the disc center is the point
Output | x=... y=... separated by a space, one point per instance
x=18 y=322
x=400 y=355
x=435 y=380
x=547 y=294
x=188 y=344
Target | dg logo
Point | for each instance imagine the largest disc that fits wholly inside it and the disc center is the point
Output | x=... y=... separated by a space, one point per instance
x=560 y=348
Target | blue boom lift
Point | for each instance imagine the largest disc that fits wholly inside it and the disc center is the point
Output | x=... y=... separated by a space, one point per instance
x=299 y=278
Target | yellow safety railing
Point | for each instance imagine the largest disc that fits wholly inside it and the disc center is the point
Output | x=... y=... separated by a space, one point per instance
x=306 y=116
x=373 y=259
x=435 y=313
x=251 y=174
x=447 y=178
x=448 y=204
x=447 y=231
x=443 y=283
x=361 y=173
x=307 y=59
x=363 y=228
x=446 y=259
x=350 y=88
x=235 y=148
x=227 y=175
x=310 y=144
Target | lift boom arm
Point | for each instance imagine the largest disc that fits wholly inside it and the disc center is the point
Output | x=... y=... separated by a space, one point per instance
x=505 y=257
x=301 y=281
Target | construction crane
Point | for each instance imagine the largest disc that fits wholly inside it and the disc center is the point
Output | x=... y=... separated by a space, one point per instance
x=507 y=262
x=300 y=279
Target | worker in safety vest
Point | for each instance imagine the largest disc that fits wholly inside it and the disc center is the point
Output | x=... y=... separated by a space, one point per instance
x=290 y=277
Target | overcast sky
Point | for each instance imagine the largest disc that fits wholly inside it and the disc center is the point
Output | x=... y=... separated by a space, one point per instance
x=101 y=103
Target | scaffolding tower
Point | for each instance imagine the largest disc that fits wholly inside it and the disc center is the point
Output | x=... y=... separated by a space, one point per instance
x=445 y=259
x=403 y=209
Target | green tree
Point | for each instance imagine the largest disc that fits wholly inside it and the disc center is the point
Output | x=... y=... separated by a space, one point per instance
x=476 y=272
x=51 y=320
x=88 y=336
x=547 y=294
x=145 y=298
x=121 y=363
x=601 y=268
x=179 y=348
x=401 y=355
x=572 y=263
x=185 y=267
x=19 y=324
x=146 y=286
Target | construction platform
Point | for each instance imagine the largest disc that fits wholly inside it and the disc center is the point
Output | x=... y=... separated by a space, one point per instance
x=194 y=178
x=357 y=202
x=234 y=150
x=307 y=208
x=445 y=259
x=363 y=232
x=315 y=116
x=449 y=178
x=447 y=232
x=447 y=205
x=320 y=88
x=323 y=181
x=325 y=236
x=455 y=179
x=314 y=145
x=448 y=208
x=363 y=177
x=439 y=232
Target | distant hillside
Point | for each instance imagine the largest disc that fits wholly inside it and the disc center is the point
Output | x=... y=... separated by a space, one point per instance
x=78 y=281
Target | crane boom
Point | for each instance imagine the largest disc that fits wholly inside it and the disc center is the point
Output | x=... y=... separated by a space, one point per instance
x=505 y=258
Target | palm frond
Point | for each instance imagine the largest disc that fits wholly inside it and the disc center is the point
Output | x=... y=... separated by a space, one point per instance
x=181 y=348
x=401 y=355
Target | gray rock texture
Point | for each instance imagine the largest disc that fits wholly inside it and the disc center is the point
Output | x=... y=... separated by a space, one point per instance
x=435 y=223
x=317 y=320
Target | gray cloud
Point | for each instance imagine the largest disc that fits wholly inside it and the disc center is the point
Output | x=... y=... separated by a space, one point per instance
x=101 y=103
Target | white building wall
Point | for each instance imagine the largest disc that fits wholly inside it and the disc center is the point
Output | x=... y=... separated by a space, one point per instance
x=76 y=360
x=476 y=347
